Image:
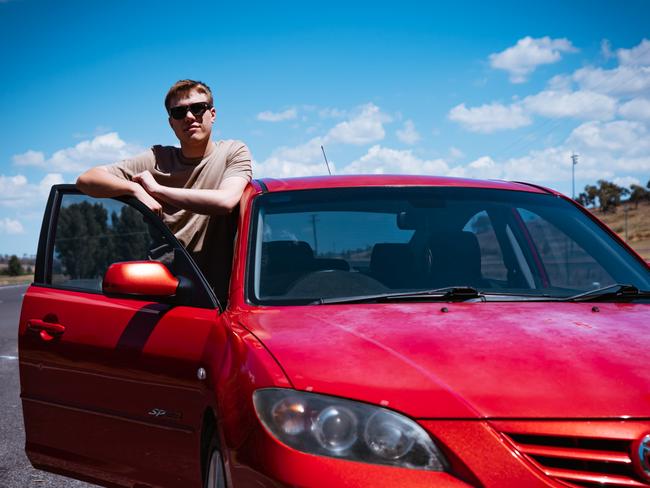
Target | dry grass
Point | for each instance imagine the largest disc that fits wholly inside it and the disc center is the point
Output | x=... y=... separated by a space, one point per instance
x=638 y=226
x=16 y=280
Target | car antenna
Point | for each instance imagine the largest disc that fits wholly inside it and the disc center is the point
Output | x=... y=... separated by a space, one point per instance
x=326 y=162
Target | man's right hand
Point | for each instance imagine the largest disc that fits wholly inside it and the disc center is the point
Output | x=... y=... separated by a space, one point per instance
x=98 y=182
x=151 y=203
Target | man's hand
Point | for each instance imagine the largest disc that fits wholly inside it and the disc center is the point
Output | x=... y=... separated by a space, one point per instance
x=151 y=203
x=204 y=201
x=147 y=181
x=98 y=182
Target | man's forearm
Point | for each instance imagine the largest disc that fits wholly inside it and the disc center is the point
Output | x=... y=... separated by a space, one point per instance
x=201 y=201
x=99 y=183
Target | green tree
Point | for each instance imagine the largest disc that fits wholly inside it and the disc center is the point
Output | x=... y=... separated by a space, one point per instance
x=588 y=197
x=83 y=240
x=609 y=195
x=638 y=194
x=14 y=267
x=131 y=236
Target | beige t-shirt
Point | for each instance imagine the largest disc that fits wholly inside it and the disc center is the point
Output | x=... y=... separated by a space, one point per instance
x=207 y=237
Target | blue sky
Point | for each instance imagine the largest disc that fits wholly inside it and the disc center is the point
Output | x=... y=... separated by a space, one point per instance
x=475 y=89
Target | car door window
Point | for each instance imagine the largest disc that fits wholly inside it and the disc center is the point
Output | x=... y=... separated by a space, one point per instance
x=85 y=235
x=92 y=233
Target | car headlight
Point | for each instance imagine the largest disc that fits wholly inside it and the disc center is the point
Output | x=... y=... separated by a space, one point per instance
x=345 y=429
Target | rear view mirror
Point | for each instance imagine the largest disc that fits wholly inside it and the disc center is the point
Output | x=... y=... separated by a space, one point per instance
x=148 y=278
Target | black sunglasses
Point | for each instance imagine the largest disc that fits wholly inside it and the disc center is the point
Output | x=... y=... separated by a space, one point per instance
x=197 y=110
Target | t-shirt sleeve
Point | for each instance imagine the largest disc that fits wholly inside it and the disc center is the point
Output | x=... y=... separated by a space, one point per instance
x=238 y=162
x=128 y=168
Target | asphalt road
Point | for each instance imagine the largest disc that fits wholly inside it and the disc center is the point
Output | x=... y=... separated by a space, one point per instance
x=15 y=470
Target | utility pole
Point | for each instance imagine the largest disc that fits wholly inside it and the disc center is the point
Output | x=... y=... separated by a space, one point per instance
x=625 y=210
x=574 y=161
x=314 y=219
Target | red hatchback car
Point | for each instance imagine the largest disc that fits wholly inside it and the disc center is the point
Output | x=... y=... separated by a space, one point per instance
x=397 y=331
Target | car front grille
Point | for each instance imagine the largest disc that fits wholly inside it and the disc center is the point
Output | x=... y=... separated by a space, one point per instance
x=602 y=459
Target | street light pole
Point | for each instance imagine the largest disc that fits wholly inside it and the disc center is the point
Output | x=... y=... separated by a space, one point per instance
x=574 y=161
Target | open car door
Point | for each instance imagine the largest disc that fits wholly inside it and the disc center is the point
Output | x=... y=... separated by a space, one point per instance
x=113 y=384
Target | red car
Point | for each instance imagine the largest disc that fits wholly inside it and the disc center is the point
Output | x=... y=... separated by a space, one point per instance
x=397 y=331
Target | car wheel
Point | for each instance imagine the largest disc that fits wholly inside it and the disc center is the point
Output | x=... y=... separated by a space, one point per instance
x=215 y=476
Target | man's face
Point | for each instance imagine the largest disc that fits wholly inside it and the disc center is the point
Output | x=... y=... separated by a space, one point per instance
x=192 y=129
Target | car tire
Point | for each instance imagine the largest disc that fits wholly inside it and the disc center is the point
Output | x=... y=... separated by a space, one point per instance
x=215 y=476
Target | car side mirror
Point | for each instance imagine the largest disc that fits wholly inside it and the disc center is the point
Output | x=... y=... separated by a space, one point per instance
x=146 y=278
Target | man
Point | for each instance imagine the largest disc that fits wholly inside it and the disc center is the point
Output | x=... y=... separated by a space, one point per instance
x=193 y=188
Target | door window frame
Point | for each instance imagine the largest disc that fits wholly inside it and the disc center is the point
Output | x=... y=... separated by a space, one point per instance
x=203 y=298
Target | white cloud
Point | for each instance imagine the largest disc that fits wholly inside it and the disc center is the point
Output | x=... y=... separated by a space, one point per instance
x=408 y=135
x=636 y=56
x=560 y=83
x=579 y=104
x=636 y=109
x=524 y=57
x=618 y=149
x=627 y=181
x=106 y=148
x=307 y=152
x=17 y=192
x=29 y=158
x=12 y=189
x=11 y=226
x=276 y=167
x=620 y=80
x=608 y=150
x=621 y=136
x=364 y=127
x=268 y=116
x=382 y=160
x=632 y=76
x=490 y=117
x=484 y=167
x=48 y=181
x=549 y=165
x=331 y=113
x=606 y=49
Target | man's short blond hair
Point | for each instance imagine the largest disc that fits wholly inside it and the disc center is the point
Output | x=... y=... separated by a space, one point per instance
x=183 y=87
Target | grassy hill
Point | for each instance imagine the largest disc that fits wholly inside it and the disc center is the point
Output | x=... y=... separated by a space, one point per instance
x=638 y=226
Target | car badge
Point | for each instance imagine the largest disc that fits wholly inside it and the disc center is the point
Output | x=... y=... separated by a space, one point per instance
x=641 y=457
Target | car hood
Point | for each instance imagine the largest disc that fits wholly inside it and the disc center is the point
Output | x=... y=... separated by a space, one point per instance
x=468 y=360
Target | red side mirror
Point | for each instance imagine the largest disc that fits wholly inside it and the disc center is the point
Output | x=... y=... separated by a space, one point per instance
x=140 y=278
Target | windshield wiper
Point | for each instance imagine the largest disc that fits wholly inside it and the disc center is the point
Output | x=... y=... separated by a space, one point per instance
x=617 y=291
x=448 y=293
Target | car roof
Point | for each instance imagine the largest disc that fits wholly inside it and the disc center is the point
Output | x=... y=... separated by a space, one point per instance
x=347 y=181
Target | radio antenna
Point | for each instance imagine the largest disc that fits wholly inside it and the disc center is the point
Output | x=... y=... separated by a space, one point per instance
x=326 y=162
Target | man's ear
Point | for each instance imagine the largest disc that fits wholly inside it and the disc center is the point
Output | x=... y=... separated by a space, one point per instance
x=213 y=111
x=169 y=119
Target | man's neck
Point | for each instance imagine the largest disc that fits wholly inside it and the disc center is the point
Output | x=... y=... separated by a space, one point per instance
x=196 y=151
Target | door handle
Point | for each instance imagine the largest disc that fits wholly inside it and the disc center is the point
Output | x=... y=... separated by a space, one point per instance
x=47 y=330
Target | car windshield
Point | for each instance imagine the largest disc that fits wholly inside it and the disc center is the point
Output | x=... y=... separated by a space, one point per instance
x=316 y=246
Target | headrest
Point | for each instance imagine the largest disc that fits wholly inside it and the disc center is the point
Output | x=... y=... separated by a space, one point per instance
x=456 y=259
x=393 y=264
x=284 y=256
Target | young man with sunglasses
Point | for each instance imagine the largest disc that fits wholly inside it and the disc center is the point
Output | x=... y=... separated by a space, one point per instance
x=194 y=188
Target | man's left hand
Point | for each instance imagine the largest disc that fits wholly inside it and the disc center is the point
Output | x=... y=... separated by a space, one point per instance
x=147 y=181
